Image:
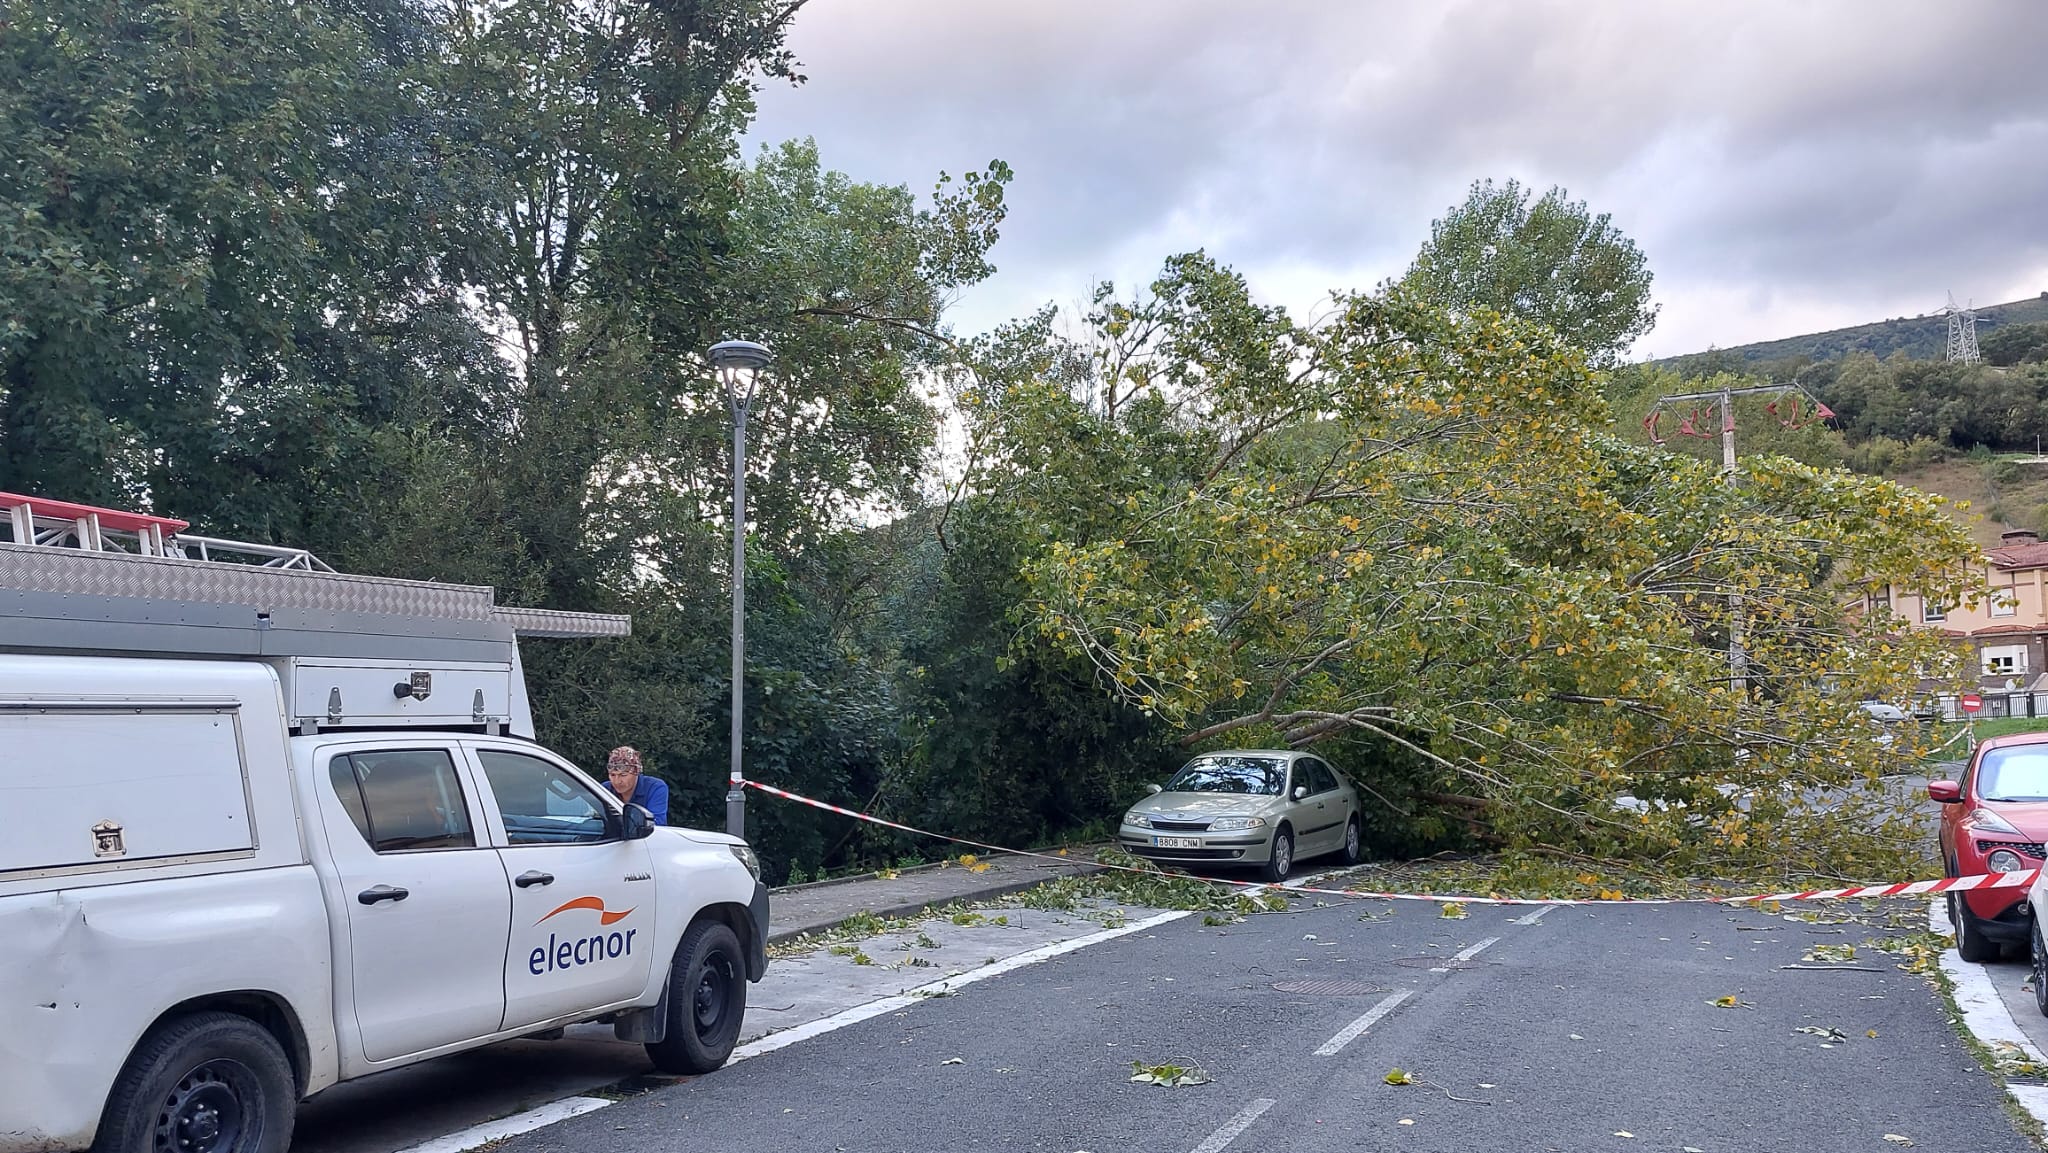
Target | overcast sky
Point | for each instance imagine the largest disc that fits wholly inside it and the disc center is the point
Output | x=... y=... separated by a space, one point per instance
x=1786 y=167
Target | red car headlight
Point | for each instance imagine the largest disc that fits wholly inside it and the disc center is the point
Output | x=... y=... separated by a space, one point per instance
x=1986 y=821
x=2004 y=861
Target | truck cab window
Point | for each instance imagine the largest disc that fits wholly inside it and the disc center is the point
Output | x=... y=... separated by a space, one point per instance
x=405 y=799
x=540 y=803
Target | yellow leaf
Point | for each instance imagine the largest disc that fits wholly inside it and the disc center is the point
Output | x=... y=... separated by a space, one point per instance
x=1399 y=1076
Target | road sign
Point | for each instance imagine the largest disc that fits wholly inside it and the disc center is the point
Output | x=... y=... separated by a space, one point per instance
x=1971 y=702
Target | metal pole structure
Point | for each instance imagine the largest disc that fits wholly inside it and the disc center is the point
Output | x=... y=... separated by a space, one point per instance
x=734 y=359
x=1738 y=656
x=1738 y=659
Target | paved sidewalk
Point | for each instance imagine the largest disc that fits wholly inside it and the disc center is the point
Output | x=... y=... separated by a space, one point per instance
x=798 y=909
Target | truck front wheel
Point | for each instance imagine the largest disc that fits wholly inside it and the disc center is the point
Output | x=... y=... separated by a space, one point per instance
x=207 y=1083
x=707 y=999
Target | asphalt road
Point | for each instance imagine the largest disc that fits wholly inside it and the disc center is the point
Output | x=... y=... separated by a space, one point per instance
x=1588 y=1029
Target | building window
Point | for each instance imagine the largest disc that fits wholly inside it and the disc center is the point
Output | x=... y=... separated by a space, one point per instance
x=2005 y=661
x=2005 y=602
x=1931 y=611
x=1879 y=598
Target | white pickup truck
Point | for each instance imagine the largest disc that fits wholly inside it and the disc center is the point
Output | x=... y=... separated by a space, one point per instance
x=227 y=884
x=204 y=919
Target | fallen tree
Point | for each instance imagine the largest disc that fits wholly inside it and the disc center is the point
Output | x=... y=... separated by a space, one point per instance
x=1416 y=533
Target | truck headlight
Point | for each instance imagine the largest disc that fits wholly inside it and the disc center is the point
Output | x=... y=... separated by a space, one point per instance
x=1232 y=824
x=746 y=857
x=1139 y=820
x=2005 y=861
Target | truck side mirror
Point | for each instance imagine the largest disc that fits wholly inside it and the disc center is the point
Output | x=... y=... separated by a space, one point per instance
x=636 y=823
x=1947 y=792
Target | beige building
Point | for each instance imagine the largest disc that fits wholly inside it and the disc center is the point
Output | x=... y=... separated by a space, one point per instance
x=2006 y=632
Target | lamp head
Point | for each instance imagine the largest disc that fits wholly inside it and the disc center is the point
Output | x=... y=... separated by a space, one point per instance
x=739 y=354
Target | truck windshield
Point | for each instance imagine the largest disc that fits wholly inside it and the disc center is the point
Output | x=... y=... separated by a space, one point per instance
x=1250 y=776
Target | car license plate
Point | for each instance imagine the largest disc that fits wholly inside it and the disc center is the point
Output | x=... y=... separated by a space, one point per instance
x=1176 y=842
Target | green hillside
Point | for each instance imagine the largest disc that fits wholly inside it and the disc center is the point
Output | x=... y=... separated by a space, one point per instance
x=1920 y=337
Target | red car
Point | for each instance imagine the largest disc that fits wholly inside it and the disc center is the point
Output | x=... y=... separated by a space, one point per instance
x=1994 y=821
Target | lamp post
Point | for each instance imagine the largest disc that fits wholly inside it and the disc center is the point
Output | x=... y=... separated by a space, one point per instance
x=739 y=364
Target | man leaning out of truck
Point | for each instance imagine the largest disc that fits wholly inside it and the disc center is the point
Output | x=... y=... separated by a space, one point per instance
x=650 y=793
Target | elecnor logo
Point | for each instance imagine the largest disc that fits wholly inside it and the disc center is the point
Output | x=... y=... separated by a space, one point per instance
x=570 y=954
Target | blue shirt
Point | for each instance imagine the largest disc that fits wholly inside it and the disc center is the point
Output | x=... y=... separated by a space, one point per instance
x=652 y=794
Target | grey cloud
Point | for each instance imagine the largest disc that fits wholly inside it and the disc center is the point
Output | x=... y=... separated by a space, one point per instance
x=1838 y=147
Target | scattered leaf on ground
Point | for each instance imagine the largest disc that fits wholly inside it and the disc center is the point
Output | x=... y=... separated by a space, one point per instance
x=1168 y=1074
x=1399 y=1076
x=1830 y=953
x=1898 y=1139
x=954 y=1061
x=1454 y=910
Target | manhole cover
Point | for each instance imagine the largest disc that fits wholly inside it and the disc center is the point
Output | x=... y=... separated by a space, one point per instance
x=1328 y=988
x=1437 y=963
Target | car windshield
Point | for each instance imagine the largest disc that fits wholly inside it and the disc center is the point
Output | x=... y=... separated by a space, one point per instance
x=2014 y=774
x=1250 y=776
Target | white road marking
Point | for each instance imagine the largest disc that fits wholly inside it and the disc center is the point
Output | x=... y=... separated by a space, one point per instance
x=873 y=1009
x=1349 y=1033
x=511 y=1126
x=1235 y=1126
x=1535 y=916
x=1468 y=954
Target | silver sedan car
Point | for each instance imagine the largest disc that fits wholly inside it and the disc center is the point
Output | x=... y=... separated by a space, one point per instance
x=1256 y=807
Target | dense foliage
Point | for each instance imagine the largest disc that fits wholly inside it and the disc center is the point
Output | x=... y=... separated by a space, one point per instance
x=1412 y=534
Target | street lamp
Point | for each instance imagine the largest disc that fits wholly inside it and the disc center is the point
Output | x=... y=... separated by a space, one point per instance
x=739 y=364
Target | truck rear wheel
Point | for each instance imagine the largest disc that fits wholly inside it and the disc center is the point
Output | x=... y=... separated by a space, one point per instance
x=707 y=1000
x=207 y=1083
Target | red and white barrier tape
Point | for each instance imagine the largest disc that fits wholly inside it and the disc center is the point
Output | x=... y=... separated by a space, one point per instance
x=2017 y=880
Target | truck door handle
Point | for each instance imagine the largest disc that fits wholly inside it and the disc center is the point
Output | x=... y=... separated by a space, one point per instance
x=376 y=893
x=532 y=877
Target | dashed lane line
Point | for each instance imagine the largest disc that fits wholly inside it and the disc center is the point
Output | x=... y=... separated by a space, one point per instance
x=1468 y=954
x=1236 y=1125
x=1350 y=1033
x=1535 y=916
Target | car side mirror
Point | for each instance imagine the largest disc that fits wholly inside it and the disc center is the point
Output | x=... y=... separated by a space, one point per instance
x=1300 y=791
x=1947 y=792
x=1155 y=790
x=636 y=823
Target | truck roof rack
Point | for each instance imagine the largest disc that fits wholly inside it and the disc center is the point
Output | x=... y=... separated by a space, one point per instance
x=104 y=579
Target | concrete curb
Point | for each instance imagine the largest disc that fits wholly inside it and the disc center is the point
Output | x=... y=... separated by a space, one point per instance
x=902 y=908
x=1985 y=1015
x=933 y=866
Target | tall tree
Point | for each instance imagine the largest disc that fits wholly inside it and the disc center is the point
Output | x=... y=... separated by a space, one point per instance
x=233 y=251
x=1551 y=261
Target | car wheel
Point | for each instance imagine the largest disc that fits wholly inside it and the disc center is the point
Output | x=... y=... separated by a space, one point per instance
x=2039 y=962
x=208 y=1083
x=1281 y=862
x=707 y=999
x=1354 y=842
x=1971 y=943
